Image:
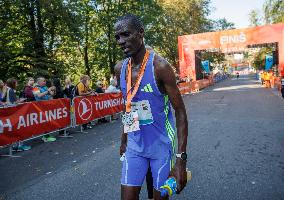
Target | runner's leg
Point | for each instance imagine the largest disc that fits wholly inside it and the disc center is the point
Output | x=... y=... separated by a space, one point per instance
x=130 y=192
x=149 y=182
x=133 y=174
x=160 y=171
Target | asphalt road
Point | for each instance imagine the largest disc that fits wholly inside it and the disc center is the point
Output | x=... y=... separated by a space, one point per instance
x=236 y=152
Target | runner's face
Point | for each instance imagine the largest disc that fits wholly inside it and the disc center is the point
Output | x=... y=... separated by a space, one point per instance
x=129 y=39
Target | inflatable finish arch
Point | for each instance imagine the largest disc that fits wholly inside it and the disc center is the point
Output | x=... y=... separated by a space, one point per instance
x=235 y=40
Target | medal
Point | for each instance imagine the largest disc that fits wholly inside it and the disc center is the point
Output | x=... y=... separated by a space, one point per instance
x=129 y=118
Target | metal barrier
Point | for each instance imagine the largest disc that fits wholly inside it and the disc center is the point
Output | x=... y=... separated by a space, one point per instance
x=112 y=105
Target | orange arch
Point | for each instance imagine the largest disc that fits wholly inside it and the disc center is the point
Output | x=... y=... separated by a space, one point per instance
x=226 y=41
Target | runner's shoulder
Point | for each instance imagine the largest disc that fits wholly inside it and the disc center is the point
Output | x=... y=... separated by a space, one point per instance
x=161 y=65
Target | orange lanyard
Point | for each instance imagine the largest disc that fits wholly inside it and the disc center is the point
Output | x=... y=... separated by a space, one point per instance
x=130 y=94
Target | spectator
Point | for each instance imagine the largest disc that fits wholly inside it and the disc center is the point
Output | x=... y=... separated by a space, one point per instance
x=262 y=77
x=28 y=89
x=83 y=89
x=58 y=89
x=11 y=98
x=99 y=87
x=68 y=88
x=99 y=90
x=41 y=93
x=112 y=88
x=3 y=89
x=58 y=94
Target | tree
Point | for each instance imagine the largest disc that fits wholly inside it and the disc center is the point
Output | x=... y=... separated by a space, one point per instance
x=273 y=11
x=254 y=18
x=222 y=24
x=73 y=37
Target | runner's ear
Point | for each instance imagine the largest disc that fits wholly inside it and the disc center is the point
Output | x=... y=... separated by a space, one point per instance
x=141 y=32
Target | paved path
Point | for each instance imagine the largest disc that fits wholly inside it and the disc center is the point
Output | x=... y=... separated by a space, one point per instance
x=236 y=151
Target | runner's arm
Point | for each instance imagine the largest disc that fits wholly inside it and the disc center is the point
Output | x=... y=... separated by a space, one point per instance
x=166 y=78
x=117 y=70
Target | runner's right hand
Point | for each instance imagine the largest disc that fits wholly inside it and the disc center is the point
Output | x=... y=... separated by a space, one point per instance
x=122 y=149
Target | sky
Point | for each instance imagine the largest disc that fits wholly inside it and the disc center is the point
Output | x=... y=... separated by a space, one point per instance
x=236 y=11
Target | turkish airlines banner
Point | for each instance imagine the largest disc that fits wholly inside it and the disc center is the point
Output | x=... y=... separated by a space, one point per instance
x=32 y=119
x=89 y=108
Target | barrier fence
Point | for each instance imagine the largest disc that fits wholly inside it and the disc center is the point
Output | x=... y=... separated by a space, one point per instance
x=89 y=108
x=194 y=86
x=33 y=119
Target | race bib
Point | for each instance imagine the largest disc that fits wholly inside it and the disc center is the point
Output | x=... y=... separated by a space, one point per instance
x=130 y=122
x=143 y=109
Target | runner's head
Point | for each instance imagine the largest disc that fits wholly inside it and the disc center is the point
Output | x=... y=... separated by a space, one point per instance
x=129 y=34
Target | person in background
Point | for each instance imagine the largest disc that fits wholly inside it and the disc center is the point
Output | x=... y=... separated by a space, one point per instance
x=28 y=89
x=83 y=89
x=59 y=93
x=3 y=89
x=267 y=79
x=99 y=87
x=99 y=90
x=262 y=77
x=68 y=89
x=42 y=93
x=11 y=98
x=58 y=89
x=112 y=87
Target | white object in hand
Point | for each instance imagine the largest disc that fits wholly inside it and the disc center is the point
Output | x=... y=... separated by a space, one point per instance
x=122 y=158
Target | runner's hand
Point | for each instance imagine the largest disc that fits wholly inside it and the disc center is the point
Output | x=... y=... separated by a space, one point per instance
x=122 y=149
x=179 y=172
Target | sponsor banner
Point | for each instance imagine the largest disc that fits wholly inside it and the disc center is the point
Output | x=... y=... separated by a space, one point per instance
x=32 y=119
x=184 y=87
x=268 y=62
x=205 y=66
x=89 y=108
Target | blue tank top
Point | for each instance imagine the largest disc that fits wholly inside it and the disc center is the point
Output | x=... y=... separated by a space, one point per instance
x=156 y=137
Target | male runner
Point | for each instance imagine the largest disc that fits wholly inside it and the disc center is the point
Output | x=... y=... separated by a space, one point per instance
x=148 y=85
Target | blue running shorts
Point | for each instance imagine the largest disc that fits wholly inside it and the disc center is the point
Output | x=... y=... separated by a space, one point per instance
x=135 y=168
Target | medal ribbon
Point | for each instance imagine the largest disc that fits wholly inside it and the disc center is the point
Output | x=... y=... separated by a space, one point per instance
x=130 y=94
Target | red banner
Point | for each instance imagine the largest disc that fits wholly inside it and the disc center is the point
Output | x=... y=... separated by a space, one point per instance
x=89 y=108
x=31 y=119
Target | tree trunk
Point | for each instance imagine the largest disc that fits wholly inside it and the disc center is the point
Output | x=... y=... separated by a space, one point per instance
x=86 y=55
x=40 y=33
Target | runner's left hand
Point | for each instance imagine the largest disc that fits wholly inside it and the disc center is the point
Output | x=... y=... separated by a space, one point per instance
x=179 y=172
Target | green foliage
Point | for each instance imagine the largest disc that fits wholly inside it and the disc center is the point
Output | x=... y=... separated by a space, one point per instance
x=222 y=24
x=274 y=11
x=259 y=58
x=255 y=18
x=59 y=38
